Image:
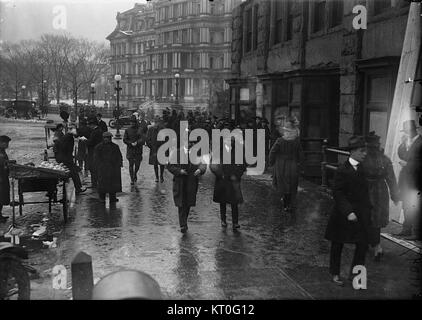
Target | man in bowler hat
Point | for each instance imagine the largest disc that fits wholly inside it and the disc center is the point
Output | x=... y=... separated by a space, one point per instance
x=410 y=152
x=350 y=219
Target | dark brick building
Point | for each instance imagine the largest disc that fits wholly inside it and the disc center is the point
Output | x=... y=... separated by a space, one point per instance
x=305 y=58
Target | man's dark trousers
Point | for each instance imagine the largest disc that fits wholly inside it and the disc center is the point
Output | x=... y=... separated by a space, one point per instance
x=335 y=256
x=183 y=215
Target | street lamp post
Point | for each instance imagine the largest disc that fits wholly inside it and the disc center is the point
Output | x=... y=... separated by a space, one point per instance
x=117 y=78
x=23 y=91
x=92 y=93
x=43 y=82
x=105 y=98
x=177 y=76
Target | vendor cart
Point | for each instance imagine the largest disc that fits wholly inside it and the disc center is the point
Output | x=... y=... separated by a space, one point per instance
x=36 y=179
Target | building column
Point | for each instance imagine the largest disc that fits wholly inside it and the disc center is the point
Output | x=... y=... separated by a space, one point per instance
x=349 y=82
x=259 y=98
x=164 y=94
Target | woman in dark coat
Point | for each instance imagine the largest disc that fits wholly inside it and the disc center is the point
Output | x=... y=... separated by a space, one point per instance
x=108 y=161
x=153 y=145
x=382 y=185
x=4 y=175
x=286 y=156
x=227 y=186
x=185 y=184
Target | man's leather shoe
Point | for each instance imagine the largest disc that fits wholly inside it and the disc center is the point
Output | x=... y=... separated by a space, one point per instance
x=224 y=224
x=404 y=234
x=184 y=229
x=114 y=200
x=338 y=281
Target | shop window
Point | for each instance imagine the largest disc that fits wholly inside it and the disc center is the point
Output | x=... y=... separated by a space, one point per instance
x=337 y=7
x=319 y=16
x=244 y=94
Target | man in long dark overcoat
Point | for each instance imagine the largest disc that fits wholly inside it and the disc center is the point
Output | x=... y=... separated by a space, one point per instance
x=185 y=183
x=227 y=188
x=4 y=176
x=153 y=145
x=350 y=220
x=108 y=161
x=134 y=138
x=95 y=138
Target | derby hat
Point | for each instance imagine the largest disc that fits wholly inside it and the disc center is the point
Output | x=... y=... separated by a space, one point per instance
x=107 y=134
x=372 y=140
x=355 y=142
x=5 y=139
x=409 y=125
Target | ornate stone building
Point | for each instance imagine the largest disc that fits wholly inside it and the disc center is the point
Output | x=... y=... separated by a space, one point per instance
x=155 y=41
x=305 y=58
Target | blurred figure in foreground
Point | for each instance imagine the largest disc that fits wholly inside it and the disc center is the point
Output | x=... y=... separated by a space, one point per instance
x=410 y=152
x=127 y=285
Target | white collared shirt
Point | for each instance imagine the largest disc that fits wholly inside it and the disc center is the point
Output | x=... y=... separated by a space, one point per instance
x=354 y=163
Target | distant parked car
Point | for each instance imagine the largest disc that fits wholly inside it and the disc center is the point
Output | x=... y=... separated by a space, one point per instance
x=22 y=109
x=124 y=120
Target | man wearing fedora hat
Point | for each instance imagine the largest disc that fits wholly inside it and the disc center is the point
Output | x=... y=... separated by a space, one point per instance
x=410 y=152
x=350 y=220
x=4 y=175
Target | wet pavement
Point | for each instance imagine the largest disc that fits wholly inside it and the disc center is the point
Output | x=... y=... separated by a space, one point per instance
x=274 y=256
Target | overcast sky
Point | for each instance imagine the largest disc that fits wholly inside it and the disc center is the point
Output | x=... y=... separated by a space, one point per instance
x=28 y=19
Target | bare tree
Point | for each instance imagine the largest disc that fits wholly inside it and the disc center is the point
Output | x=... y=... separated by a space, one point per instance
x=56 y=49
x=85 y=61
